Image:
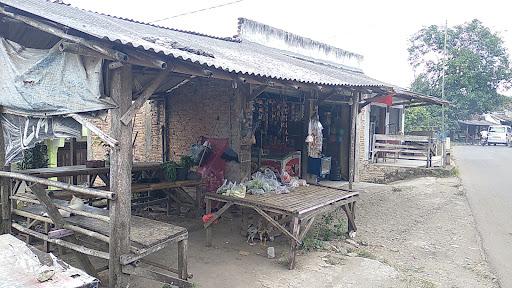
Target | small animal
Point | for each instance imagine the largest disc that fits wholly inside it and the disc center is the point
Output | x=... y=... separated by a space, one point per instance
x=77 y=203
x=265 y=230
x=252 y=231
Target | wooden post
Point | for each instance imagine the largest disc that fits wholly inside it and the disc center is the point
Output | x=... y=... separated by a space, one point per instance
x=295 y=229
x=4 y=190
x=120 y=175
x=209 y=228
x=182 y=259
x=353 y=135
x=72 y=158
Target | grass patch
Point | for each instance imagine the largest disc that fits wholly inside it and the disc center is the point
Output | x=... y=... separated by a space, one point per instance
x=328 y=228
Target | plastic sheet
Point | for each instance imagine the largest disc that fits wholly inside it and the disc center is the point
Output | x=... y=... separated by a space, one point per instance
x=40 y=82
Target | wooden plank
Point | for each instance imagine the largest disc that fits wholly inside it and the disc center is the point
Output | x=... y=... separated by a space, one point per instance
x=59 y=223
x=256 y=92
x=5 y=190
x=411 y=138
x=217 y=214
x=97 y=131
x=182 y=259
x=145 y=187
x=127 y=117
x=276 y=224
x=209 y=228
x=305 y=229
x=81 y=250
x=120 y=175
x=152 y=274
x=64 y=186
x=353 y=135
x=295 y=227
x=141 y=253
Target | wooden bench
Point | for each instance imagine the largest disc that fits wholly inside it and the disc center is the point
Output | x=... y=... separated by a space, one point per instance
x=406 y=147
x=299 y=208
x=146 y=236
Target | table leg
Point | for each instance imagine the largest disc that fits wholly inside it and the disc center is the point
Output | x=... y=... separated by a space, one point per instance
x=295 y=229
x=182 y=259
x=199 y=200
x=209 y=228
x=46 y=244
x=169 y=202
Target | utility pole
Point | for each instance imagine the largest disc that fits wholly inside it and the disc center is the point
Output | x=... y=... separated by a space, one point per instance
x=443 y=125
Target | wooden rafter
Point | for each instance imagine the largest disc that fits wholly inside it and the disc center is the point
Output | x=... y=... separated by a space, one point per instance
x=139 y=102
x=102 y=135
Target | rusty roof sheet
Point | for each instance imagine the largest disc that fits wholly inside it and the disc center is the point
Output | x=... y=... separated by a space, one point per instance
x=222 y=53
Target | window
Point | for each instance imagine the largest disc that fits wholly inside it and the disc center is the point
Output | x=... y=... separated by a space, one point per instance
x=497 y=129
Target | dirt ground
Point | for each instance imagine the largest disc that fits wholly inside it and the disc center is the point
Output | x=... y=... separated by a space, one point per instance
x=415 y=233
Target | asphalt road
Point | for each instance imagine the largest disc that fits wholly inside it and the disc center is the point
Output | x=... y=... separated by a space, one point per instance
x=486 y=174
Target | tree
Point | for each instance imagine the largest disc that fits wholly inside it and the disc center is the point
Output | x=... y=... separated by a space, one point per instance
x=477 y=67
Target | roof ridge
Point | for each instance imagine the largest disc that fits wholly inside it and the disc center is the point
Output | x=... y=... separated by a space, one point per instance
x=289 y=36
x=226 y=38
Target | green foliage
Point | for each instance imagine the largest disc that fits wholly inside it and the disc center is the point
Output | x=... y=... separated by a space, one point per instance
x=186 y=162
x=477 y=68
x=330 y=228
x=33 y=158
x=169 y=169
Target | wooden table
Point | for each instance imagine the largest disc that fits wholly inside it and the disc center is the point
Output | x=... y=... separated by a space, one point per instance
x=299 y=208
x=78 y=170
x=174 y=190
x=147 y=236
x=171 y=188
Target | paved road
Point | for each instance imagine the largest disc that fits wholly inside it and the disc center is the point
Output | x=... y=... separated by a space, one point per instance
x=486 y=173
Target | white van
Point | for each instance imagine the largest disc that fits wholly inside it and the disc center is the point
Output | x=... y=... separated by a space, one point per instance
x=499 y=134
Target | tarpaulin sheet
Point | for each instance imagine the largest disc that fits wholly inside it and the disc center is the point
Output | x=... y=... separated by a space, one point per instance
x=23 y=266
x=40 y=82
x=23 y=132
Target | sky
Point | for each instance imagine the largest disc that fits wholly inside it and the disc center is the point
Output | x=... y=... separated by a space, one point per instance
x=377 y=29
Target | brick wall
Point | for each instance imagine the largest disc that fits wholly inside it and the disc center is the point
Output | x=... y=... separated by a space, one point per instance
x=210 y=108
x=146 y=133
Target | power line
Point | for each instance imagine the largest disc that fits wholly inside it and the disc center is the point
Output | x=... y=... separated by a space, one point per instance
x=196 y=11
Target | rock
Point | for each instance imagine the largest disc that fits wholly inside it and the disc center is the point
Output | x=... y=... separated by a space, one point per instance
x=352 y=254
x=363 y=243
x=244 y=253
x=45 y=275
x=394 y=250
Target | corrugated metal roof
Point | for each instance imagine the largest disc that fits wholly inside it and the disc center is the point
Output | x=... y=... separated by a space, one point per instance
x=230 y=55
x=476 y=122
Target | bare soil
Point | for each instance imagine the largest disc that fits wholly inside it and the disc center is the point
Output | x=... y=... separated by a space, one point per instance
x=415 y=233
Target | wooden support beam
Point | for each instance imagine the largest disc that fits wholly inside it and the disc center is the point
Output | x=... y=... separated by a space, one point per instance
x=256 y=92
x=75 y=247
x=64 y=186
x=295 y=228
x=121 y=161
x=5 y=190
x=156 y=274
x=23 y=198
x=53 y=30
x=139 y=102
x=71 y=227
x=80 y=49
x=59 y=222
x=277 y=225
x=102 y=135
x=217 y=214
x=353 y=135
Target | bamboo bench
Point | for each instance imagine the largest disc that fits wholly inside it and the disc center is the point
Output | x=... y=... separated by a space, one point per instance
x=299 y=208
x=146 y=236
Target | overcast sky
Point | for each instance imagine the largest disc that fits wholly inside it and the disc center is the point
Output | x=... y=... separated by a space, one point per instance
x=379 y=30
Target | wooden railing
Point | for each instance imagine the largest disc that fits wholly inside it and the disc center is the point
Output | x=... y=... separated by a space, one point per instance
x=406 y=147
